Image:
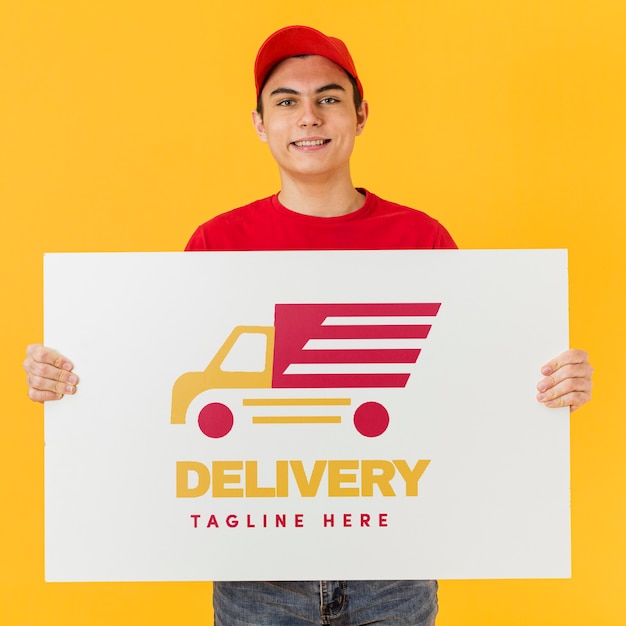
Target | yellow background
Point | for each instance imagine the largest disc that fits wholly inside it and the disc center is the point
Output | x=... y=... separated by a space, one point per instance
x=124 y=124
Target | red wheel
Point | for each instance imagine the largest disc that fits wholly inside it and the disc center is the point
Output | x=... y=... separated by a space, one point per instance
x=371 y=419
x=216 y=420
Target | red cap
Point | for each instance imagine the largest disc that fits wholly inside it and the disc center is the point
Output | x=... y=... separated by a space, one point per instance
x=292 y=41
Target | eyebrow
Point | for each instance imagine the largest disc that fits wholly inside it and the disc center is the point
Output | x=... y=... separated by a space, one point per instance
x=293 y=92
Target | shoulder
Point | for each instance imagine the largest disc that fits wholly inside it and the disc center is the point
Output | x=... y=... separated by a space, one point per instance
x=419 y=226
x=213 y=233
x=252 y=210
x=387 y=207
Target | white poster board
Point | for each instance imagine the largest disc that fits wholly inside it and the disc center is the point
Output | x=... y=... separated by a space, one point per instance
x=376 y=406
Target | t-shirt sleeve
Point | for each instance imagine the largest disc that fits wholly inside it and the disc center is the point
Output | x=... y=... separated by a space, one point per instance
x=198 y=242
x=443 y=239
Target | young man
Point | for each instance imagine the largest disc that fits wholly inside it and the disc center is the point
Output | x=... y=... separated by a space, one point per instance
x=310 y=111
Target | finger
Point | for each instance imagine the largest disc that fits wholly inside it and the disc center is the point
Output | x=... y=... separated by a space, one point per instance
x=43 y=396
x=574 y=400
x=569 y=357
x=40 y=354
x=572 y=392
x=579 y=371
x=568 y=385
x=41 y=387
x=43 y=371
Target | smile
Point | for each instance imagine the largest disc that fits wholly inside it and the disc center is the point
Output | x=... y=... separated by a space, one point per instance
x=313 y=142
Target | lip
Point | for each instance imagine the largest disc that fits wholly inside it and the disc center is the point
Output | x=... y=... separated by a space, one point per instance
x=310 y=143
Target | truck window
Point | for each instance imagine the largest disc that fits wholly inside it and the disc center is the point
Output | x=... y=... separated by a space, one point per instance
x=247 y=355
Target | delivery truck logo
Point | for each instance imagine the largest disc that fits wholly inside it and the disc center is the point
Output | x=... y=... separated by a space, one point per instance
x=319 y=347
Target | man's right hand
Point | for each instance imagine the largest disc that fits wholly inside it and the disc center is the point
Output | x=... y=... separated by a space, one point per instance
x=48 y=374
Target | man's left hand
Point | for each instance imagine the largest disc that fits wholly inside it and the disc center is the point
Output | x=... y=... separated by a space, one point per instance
x=567 y=380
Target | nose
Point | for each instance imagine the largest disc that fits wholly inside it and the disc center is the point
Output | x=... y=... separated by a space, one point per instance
x=309 y=115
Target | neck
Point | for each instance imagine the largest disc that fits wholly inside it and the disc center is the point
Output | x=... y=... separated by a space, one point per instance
x=320 y=198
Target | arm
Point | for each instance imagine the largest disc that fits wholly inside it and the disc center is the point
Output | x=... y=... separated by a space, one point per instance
x=567 y=380
x=49 y=375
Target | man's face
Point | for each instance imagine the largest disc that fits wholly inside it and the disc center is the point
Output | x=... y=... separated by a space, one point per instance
x=309 y=120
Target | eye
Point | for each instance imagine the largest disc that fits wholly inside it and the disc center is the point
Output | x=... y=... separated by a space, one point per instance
x=328 y=100
x=285 y=103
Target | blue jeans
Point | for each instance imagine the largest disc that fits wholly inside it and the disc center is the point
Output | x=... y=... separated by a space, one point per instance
x=326 y=603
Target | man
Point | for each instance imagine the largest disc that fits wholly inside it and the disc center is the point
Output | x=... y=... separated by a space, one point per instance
x=310 y=109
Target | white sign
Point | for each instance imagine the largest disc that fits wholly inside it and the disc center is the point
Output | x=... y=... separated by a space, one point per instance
x=306 y=415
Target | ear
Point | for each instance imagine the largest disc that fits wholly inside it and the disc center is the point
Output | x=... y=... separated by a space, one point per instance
x=257 y=121
x=361 y=116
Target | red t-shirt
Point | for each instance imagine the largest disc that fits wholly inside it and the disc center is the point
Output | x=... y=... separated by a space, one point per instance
x=268 y=225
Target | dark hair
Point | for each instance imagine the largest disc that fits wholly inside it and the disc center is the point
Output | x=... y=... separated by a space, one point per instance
x=356 y=95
